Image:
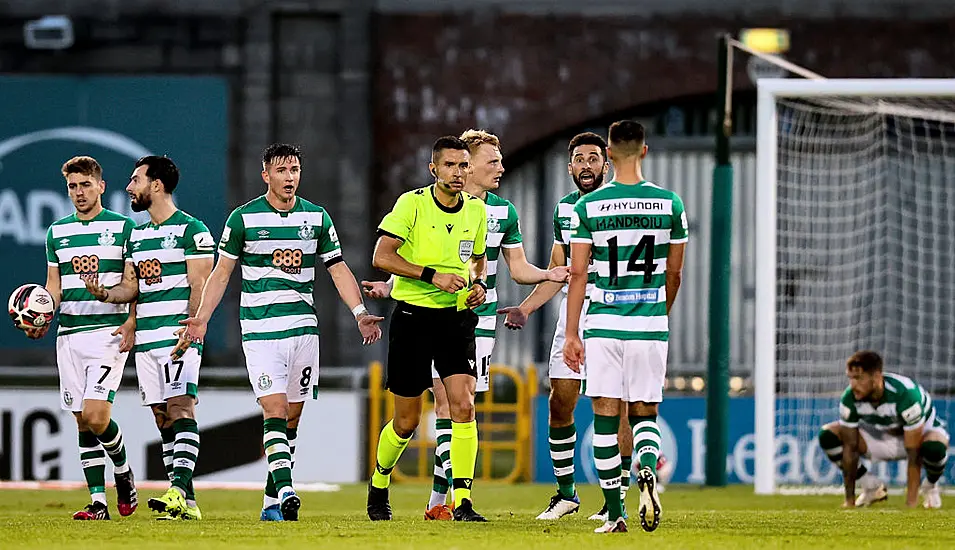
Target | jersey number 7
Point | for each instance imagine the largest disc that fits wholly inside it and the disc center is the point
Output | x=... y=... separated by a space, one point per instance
x=634 y=264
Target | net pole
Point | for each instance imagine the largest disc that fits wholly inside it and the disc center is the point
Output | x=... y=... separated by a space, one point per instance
x=764 y=365
x=717 y=387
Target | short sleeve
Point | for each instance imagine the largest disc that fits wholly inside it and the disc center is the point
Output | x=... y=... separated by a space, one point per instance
x=400 y=220
x=199 y=242
x=51 y=258
x=558 y=230
x=679 y=231
x=329 y=248
x=579 y=224
x=911 y=410
x=848 y=415
x=480 y=238
x=512 y=233
x=127 y=240
x=233 y=236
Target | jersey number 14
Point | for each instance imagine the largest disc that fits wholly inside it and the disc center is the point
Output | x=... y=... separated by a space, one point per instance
x=634 y=264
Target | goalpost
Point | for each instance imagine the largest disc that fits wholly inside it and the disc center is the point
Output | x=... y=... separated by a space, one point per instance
x=855 y=248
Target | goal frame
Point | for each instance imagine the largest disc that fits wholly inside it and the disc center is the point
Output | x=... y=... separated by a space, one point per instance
x=764 y=365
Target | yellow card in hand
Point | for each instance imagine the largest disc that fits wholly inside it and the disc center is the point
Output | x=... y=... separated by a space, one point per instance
x=462 y=297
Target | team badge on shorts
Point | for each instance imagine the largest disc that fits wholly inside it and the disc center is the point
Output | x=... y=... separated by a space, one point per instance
x=306 y=233
x=265 y=382
x=169 y=241
x=106 y=238
x=67 y=398
x=465 y=250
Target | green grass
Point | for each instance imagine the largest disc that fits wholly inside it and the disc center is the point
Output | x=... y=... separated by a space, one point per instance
x=693 y=518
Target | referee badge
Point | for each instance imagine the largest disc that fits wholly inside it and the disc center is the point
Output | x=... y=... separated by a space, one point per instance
x=465 y=250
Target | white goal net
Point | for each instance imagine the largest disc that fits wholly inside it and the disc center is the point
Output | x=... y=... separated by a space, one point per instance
x=860 y=254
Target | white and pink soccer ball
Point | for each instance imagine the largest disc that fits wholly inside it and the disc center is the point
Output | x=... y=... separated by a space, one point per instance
x=31 y=306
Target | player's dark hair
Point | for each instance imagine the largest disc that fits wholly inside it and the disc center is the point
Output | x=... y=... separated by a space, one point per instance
x=869 y=361
x=444 y=143
x=161 y=168
x=627 y=132
x=587 y=138
x=278 y=151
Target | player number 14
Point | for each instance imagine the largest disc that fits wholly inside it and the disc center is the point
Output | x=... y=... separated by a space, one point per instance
x=634 y=264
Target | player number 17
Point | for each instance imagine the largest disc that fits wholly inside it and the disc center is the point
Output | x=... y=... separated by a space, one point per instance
x=178 y=364
x=634 y=264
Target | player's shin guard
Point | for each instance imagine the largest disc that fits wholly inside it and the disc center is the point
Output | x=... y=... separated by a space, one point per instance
x=442 y=463
x=934 y=457
x=277 y=452
x=185 y=453
x=562 y=441
x=464 y=447
x=168 y=436
x=607 y=461
x=93 y=461
x=112 y=441
x=390 y=447
x=271 y=497
x=646 y=441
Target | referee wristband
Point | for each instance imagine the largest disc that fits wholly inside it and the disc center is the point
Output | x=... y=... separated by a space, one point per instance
x=427 y=274
x=358 y=310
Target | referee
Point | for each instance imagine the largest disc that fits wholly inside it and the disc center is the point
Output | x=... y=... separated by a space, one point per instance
x=433 y=241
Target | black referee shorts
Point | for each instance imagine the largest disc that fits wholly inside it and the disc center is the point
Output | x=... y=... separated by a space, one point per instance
x=419 y=336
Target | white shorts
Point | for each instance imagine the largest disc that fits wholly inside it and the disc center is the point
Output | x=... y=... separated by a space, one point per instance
x=631 y=370
x=556 y=368
x=90 y=366
x=882 y=447
x=288 y=366
x=161 y=377
x=483 y=347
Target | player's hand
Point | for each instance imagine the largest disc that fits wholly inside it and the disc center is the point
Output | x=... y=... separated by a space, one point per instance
x=559 y=274
x=514 y=319
x=128 y=332
x=476 y=296
x=376 y=289
x=36 y=333
x=368 y=327
x=194 y=332
x=573 y=353
x=94 y=287
x=448 y=282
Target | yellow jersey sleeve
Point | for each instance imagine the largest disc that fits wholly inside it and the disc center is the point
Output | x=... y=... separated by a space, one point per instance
x=400 y=221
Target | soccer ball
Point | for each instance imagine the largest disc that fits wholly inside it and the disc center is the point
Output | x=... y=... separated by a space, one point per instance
x=31 y=306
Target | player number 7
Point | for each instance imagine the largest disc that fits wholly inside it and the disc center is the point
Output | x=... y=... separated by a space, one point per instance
x=178 y=364
x=106 y=371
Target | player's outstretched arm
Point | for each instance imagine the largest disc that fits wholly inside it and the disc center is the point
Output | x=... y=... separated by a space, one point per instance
x=350 y=293
x=212 y=294
x=576 y=291
x=850 y=463
x=912 y=439
x=516 y=317
x=674 y=274
x=386 y=258
x=525 y=273
x=126 y=291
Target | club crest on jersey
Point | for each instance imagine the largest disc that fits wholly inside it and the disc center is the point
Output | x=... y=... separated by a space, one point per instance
x=465 y=250
x=306 y=232
x=493 y=225
x=106 y=238
x=169 y=241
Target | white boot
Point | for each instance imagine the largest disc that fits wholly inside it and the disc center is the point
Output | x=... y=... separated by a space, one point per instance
x=931 y=495
x=873 y=490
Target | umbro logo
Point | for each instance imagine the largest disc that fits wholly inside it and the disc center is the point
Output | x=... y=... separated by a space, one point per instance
x=449 y=227
x=263 y=232
x=64 y=242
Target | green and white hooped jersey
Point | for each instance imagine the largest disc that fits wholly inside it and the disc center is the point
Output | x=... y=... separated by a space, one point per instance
x=503 y=230
x=159 y=253
x=83 y=247
x=277 y=251
x=905 y=405
x=630 y=228
x=562 y=215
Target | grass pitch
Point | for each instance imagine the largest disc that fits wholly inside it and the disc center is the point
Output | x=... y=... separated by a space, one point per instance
x=692 y=518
